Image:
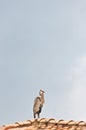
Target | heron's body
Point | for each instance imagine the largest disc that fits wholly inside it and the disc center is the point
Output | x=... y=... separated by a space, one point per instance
x=38 y=104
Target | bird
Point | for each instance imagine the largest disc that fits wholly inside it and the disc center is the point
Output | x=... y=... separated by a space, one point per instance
x=38 y=104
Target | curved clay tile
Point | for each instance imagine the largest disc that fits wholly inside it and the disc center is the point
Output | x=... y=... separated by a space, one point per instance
x=46 y=124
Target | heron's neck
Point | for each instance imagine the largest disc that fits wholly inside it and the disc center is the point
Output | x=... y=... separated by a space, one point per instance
x=42 y=99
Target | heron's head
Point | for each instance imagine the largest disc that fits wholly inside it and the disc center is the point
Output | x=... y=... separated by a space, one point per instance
x=41 y=92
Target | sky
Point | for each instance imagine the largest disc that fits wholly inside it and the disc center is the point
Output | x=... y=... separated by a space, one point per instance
x=42 y=46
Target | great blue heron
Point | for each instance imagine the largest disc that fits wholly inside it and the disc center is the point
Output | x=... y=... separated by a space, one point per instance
x=38 y=104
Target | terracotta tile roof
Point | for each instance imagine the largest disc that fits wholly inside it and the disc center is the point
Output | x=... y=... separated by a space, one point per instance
x=46 y=124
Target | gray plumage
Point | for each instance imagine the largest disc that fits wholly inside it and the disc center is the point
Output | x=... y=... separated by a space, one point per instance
x=38 y=104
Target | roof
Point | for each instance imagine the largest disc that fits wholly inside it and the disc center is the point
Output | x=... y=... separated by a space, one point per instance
x=46 y=124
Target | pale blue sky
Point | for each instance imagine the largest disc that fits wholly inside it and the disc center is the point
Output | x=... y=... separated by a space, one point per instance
x=42 y=46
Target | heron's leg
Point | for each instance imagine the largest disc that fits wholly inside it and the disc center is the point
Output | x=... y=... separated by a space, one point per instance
x=38 y=115
x=34 y=115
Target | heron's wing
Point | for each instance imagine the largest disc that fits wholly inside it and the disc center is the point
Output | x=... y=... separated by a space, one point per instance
x=37 y=104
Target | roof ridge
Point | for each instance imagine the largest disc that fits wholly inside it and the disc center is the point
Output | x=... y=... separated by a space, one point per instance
x=46 y=123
